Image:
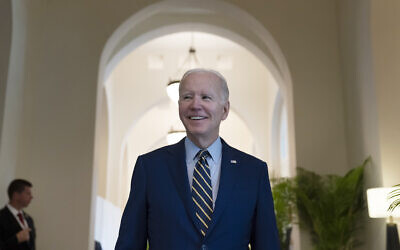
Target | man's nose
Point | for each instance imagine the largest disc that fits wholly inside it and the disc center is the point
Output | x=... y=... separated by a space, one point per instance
x=195 y=103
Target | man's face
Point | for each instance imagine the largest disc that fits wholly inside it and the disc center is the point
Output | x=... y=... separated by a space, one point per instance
x=202 y=106
x=24 y=198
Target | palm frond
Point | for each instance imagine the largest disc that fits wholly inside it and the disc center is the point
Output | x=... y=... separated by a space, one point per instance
x=394 y=205
x=393 y=195
x=284 y=203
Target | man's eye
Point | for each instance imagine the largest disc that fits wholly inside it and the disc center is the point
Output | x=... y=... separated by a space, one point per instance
x=186 y=97
x=206 y=97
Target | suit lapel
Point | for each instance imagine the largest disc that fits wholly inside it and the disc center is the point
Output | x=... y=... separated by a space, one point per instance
x=12 y=219
x=229 y=174
x=178 y=170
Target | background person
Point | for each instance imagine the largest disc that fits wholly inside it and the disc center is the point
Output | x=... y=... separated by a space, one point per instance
x=17 y=231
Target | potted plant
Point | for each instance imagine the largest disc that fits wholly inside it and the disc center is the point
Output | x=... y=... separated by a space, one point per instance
x=285 y=207
x=330 y=207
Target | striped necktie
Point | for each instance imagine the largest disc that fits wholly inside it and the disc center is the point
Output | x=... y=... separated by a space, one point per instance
x=202 y=191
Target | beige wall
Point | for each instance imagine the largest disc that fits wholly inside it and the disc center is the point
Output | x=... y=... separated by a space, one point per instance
x=306 y=31
x=361 y=104
x=12 y=97
x=386 y=52
x=63 y=44
x=5 y=45
x=385 y=22
x=59 y=74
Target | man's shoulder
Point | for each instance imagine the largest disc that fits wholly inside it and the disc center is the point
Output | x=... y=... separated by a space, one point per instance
x=5 y=215
x=163 y=151
x=247 y=164
x=243 y=156
x=4 y=211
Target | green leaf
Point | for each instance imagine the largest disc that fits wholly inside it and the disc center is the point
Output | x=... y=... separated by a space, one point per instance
x=393 y=195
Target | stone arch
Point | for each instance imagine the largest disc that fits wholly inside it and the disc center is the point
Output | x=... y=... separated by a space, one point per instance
x=215 y=17
x=218 y=18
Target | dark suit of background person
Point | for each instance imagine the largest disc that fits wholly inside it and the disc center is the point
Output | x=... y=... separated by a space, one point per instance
x=160 y=208
x=12 y=235
x=9 y=227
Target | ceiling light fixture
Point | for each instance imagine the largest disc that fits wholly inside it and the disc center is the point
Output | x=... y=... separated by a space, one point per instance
x=191 y=61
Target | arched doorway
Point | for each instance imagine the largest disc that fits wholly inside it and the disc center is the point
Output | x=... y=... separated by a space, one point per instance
x=160 y=20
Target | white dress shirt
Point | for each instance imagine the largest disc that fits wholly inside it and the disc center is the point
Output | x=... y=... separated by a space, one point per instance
x=15 y=212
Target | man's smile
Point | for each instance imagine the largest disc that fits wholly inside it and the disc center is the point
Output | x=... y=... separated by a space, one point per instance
x=197 y=117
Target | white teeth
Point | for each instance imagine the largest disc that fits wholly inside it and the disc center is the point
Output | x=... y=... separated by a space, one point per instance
x=196 y=117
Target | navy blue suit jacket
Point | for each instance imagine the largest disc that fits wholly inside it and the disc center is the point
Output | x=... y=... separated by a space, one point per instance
x=160 y=208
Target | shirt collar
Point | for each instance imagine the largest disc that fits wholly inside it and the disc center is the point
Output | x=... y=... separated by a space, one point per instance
x=13 y=210
x=215 y=149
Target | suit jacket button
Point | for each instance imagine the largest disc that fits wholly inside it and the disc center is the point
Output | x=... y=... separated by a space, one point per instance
x=204 y=247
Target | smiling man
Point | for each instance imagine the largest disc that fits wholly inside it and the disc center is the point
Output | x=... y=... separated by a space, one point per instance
x=203 y=104
x=200 y=193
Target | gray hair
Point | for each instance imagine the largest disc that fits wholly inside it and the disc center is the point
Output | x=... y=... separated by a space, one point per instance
x=224 y=85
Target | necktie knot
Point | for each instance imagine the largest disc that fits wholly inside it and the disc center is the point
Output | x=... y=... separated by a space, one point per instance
x=203 y=153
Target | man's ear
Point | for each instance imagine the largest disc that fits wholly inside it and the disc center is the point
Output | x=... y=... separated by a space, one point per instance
x=226 y=110
x=14 y=196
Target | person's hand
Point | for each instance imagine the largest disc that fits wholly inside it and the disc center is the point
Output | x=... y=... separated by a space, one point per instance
x=23 y=235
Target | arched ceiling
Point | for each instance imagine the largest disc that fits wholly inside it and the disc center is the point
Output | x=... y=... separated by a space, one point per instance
x=137 y=85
